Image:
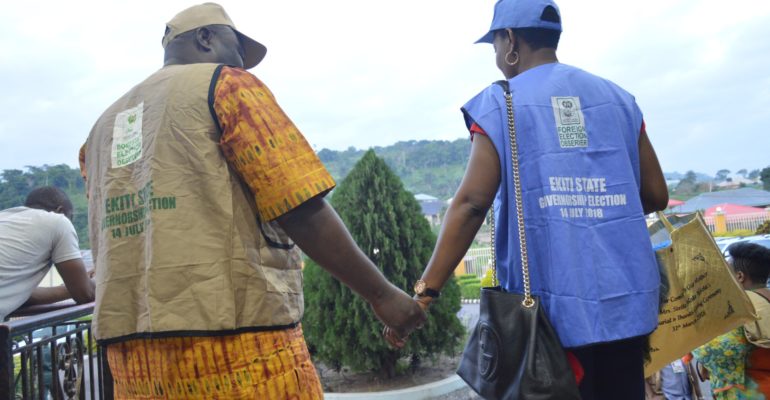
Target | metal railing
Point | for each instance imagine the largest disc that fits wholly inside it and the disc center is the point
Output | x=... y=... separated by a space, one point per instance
x=477 y=261
x=48 y=352
x=739 y=222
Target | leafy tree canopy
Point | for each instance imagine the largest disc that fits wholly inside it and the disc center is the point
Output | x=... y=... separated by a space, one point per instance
x=765 y=177
x=16 y=184
x=431 y=167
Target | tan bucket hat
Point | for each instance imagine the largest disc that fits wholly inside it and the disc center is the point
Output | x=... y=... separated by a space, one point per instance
x=213 y=14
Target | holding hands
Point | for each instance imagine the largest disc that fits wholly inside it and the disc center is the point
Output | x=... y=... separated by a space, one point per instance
x=396 y=337
x=399 y=312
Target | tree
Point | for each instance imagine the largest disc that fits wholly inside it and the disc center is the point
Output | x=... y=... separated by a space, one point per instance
x=687 y=184
x=754 y=174
x=764 y=176
x=764 y=228
x=742 y=172
x=386 y=222
x=413 y=161
x=722 y=174
x=16 y=184
x=14 y=188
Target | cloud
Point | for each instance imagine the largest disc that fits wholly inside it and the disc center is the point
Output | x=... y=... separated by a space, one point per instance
x=352 y=73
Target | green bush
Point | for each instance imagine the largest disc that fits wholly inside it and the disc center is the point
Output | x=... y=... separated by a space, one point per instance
x=764 y=228
x=735 y=233
x=387 y=223
x=469 y=286
x=471 y=291
x=466 y=277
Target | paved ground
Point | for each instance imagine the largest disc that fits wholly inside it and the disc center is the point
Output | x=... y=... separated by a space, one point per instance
x=469 y=314
x=462 y=394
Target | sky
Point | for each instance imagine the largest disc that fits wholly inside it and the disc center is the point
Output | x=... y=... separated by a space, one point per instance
x=364 y=73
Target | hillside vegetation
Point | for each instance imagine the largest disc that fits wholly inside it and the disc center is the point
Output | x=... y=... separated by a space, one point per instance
x=430 y=167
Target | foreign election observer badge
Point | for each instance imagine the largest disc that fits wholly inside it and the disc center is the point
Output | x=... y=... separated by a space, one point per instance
x=570 y=124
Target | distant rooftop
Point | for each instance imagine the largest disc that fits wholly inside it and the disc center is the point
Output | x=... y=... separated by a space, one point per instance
x=732 y=209
x=424 y=197
x=743 y=197
x=432 y=207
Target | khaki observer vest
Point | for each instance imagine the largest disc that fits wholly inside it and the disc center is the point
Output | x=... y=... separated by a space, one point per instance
x=175 y=236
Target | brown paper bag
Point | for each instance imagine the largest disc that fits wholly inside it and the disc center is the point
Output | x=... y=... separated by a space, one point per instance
x=703 y=301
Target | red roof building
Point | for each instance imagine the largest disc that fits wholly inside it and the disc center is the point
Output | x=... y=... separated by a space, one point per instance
x=733 y=209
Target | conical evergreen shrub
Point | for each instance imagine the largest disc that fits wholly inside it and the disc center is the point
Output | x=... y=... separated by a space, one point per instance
x=387 y=223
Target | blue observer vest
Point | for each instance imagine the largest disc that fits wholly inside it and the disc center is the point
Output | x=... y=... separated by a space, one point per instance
x=591 y=259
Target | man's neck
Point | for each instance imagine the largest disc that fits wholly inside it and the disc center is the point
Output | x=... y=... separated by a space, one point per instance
x=173 y=61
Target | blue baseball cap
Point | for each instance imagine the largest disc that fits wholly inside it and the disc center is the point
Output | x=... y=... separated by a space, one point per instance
x=520 y=14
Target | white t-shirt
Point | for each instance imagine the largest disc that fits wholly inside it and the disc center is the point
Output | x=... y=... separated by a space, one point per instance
x=30 y=240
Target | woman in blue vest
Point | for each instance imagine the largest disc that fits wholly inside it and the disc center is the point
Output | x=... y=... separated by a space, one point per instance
x=589 y=175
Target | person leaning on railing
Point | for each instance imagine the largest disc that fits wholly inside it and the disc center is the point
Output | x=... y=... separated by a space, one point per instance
x=34 y=237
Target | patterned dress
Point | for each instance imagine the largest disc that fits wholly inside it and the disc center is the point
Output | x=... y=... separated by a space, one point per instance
x=726 y=359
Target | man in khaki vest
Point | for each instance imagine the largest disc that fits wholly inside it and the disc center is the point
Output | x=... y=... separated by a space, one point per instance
x=201 y=192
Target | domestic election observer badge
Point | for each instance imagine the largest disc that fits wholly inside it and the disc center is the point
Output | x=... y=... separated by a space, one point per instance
x=127 y=137
x=570 y=125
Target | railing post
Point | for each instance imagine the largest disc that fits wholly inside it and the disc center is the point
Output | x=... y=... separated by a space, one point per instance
x=7 y=388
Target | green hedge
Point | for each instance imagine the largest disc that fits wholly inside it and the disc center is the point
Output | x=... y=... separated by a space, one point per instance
x=735 y=233
x=466 y=277
x=471 y=291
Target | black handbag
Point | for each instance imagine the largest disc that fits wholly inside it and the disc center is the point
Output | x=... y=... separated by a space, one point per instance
x=514 y=352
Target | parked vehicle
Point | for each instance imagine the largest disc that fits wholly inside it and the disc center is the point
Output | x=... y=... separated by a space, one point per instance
x=724 y=243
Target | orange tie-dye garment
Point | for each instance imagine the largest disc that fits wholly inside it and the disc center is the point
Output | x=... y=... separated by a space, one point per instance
x=82 y=161
x=262 y=144
x=257 y=365
x=270 y=154
x=264 y=147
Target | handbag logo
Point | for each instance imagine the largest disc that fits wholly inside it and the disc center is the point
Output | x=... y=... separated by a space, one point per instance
x=489 y=343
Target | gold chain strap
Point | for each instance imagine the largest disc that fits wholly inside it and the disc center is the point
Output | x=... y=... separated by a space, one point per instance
x=528 y=300
x=495 y=282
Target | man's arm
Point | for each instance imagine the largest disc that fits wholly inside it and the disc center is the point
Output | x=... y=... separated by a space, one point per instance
x=76 y=280
x=317 y=229
x=653 y=191
x=275 y=173
x=77 y=285
x=47 y=295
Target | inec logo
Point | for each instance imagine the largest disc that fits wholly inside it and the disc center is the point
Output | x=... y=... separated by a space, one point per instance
x=570 y=125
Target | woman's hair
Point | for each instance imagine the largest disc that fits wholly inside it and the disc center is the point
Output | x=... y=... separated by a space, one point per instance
x=751 y=259
x=539 y=38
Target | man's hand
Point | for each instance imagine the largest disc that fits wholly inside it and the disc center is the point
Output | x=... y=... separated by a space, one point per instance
x=398 y=311
x=317 y=229
x=393 y=338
